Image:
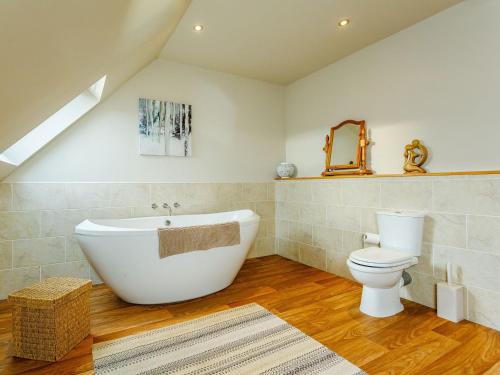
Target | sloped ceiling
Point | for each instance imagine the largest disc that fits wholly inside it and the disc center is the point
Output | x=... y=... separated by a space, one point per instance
x=283 y=40
x=52 y=50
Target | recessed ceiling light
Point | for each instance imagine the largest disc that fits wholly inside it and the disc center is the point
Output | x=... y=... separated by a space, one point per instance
x=344 y=22
x=198 y=27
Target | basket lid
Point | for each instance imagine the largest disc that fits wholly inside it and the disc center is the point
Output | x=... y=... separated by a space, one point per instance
x=50 y=292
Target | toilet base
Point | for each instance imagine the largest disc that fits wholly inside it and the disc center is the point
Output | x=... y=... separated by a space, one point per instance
x=381 y=303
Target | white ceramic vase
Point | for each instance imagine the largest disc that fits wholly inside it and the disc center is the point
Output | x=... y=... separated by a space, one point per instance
x=285 y=170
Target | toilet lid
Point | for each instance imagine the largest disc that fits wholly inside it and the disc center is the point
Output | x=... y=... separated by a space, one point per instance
x=380 y=257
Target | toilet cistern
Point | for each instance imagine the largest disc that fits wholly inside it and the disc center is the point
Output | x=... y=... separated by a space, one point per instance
x=380 y=269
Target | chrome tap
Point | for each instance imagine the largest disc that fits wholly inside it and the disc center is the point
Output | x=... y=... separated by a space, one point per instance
x=167 y=206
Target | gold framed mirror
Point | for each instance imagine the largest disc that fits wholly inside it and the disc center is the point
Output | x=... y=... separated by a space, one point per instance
x=345 y=149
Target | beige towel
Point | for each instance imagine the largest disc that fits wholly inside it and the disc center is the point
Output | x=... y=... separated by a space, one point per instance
x=175 y=241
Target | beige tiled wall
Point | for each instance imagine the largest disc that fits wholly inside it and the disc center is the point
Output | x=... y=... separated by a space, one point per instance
x=320 y=222
x=37 y=220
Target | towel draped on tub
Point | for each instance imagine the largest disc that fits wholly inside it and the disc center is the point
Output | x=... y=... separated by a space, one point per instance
x=181 y=240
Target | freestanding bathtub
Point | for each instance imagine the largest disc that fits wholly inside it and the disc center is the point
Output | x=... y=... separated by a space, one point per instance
x=124 y=252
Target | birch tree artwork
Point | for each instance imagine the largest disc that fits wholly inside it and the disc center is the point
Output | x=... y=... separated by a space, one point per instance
x=164 y=128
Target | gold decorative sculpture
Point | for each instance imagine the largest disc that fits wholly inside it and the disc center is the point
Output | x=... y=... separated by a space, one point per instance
x=415 y=156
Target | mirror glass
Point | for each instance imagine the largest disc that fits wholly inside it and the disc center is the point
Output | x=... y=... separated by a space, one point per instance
x=345 y=145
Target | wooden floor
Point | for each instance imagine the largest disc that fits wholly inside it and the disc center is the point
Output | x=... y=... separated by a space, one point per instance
x=320 y=304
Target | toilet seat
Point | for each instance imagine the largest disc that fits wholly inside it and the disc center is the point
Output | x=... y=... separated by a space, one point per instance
x=375 y=270
x=377 y=257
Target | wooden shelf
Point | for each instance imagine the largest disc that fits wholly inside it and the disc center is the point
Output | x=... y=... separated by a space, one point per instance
x=430 y=174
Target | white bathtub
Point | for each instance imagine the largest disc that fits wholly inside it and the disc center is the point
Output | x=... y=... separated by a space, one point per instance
x=125 y=255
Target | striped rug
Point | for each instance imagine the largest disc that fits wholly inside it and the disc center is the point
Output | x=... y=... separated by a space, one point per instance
x=244 y=340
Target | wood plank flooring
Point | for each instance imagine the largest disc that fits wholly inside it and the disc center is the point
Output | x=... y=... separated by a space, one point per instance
x=320 y=304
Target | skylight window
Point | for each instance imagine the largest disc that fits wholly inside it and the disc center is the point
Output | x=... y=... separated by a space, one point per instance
x=54 y=125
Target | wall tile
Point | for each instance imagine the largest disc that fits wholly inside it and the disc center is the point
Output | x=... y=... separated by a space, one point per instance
x=411 y=195
x=327 y=238
x=312 y=213
x=262 y=231
x=111 y=213
x=445 y=229
x=283 y=211
x=271 y=226
x=312 y=256
x=293 y=211
x=215 y=207
x=38 y=251
x=280 y=210
x=5 y=254
x=369 y=220
x=229 y=192
x=344 y=218
x=422 y=289
x=228 y=206
x=299 y=192
x=73 y=250
x=129 y=195
x=425 y=261
x=202 y=208
x=326 y=192
x=479 y=177
x=72 y=269
x=477 y=197
x=351 y=241
x=19 y=225
x=164 y=193
x=265 y=209
x=271 y=191
x=88 y=195
x=254 y=192
x=483 y=233
x=361 y=193
x=288 y=249
x=301 y=232
x=471 y=268
x=265 y=246
x=38 y=196
x=483 y=307
x=281 y=190
x=62 y=222
x=17 y=279
x=337 y=264
x=148 y=211
x=236 y=206
x=266 y=228
x=5 y=197
x=283 y=229
x=184 y=209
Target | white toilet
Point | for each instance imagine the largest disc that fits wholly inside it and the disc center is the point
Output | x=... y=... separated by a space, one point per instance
x=380 y=269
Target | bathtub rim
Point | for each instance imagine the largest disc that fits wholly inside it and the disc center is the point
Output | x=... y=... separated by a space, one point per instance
x=90 y=227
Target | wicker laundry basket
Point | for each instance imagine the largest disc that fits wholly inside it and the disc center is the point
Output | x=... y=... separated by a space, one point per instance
x=50 y=318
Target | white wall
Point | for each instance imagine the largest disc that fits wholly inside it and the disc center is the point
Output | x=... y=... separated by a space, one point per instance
x=238 y=132
x=438 y=81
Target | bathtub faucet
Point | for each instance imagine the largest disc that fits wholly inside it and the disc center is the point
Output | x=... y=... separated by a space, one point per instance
x=166 y=205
